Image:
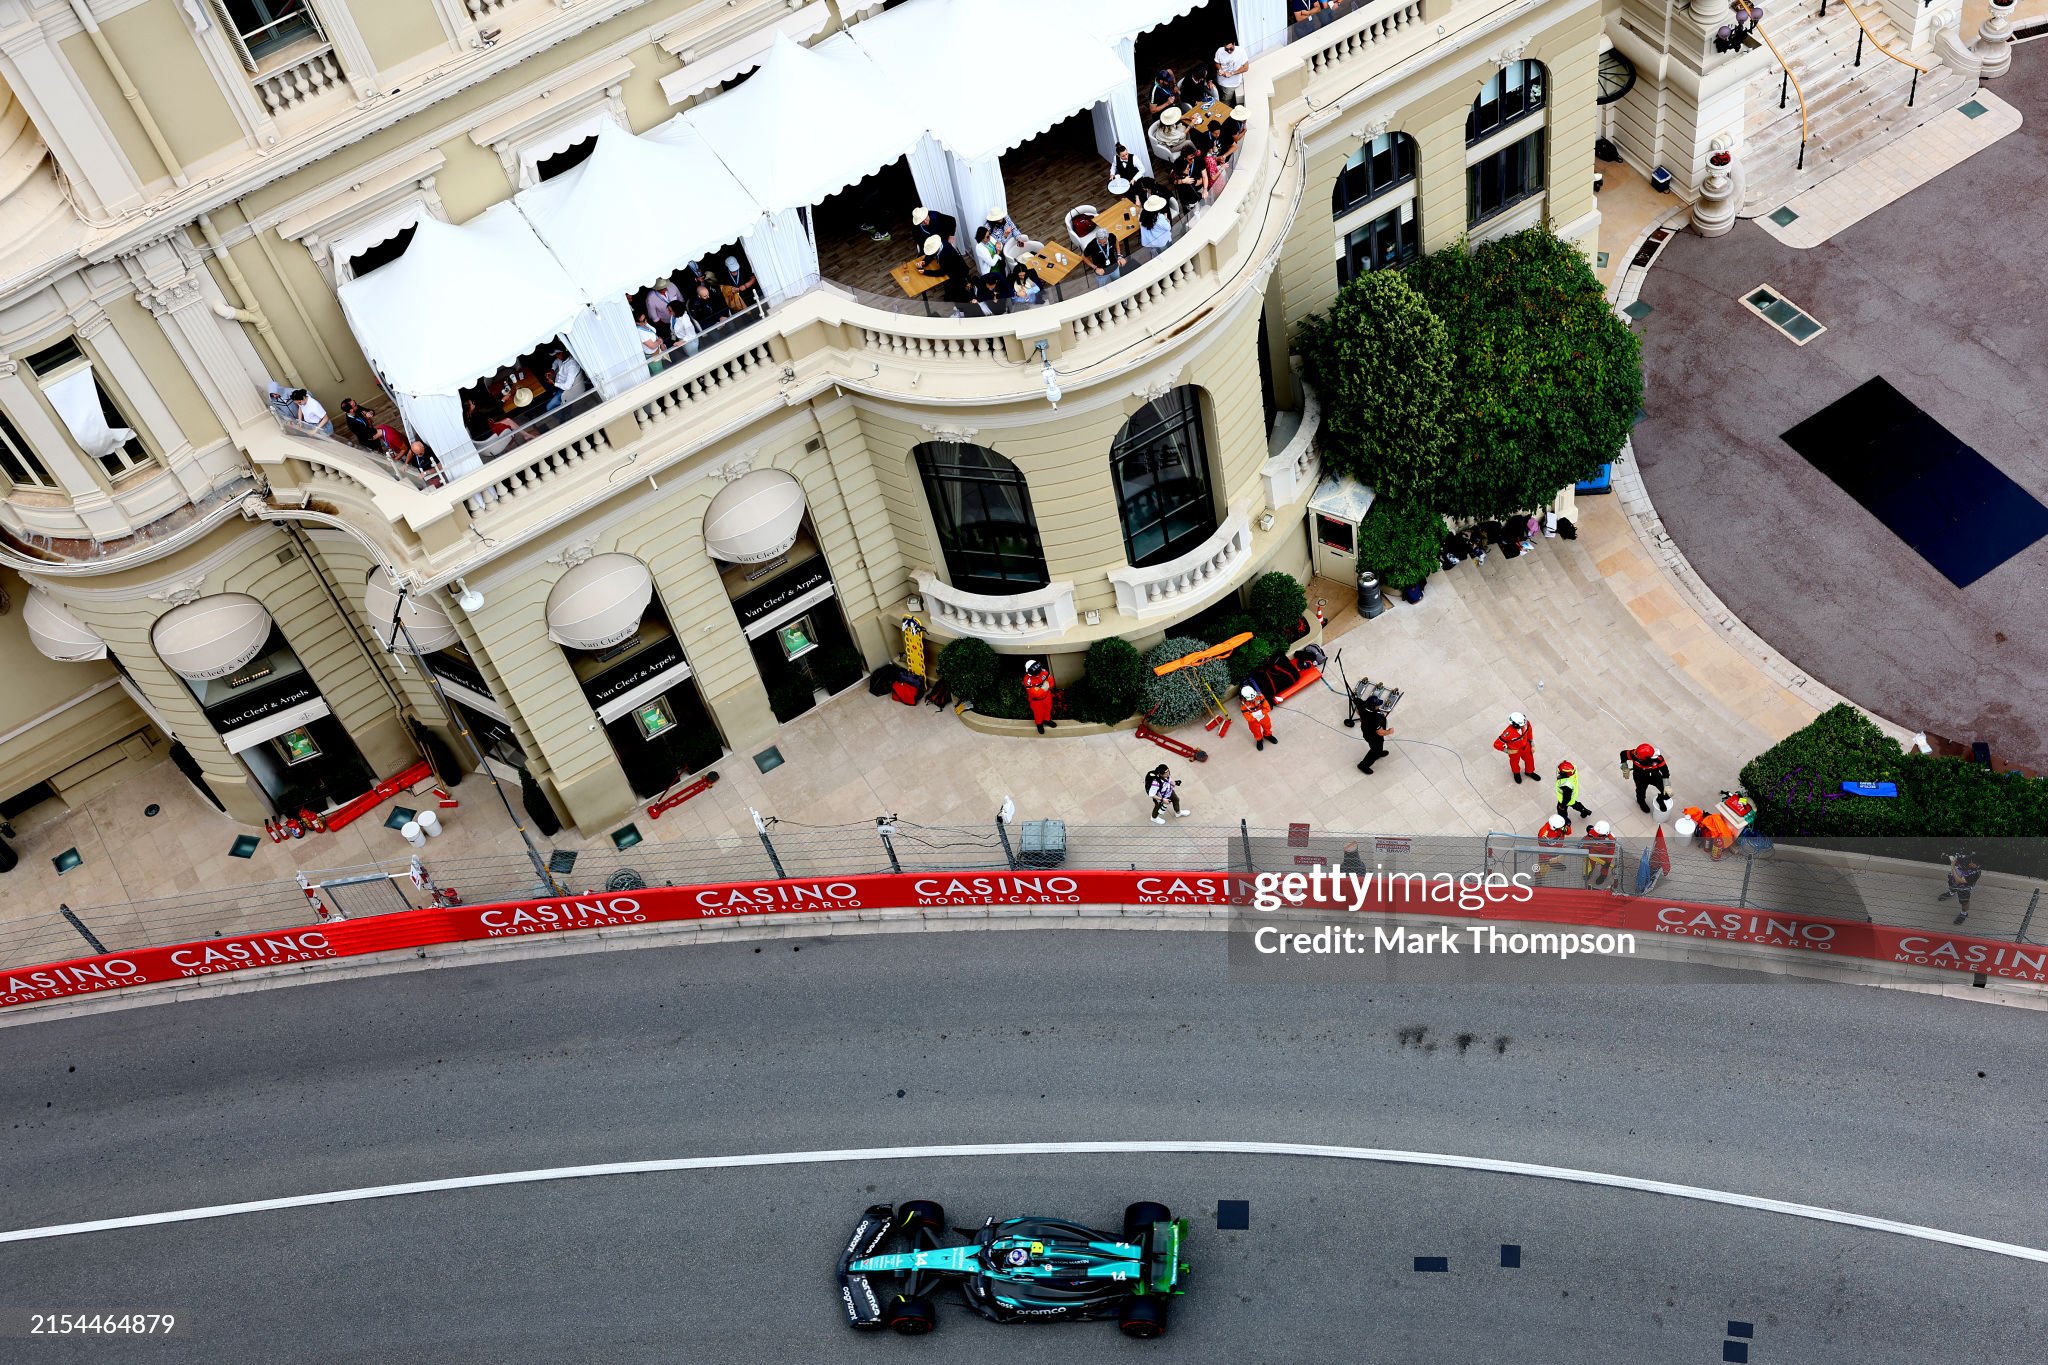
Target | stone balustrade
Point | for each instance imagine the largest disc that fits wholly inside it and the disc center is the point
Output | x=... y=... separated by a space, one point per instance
x=1045 y=613
x=1179 y=585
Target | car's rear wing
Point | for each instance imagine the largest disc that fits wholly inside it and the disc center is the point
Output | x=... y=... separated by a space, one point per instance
x=856 y=1294
x=1163 y=1265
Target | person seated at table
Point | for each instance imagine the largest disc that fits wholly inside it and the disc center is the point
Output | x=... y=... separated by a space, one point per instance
x=1105 y=257
x=1009 y=238
x=1169 y=134
x=1197 y=88
x=988 y=257
x=1025 y=286
x=994 y=292
x=650 y=343
x=564 y=374
x=1145 y=187
x=1201 y=139
x=1123 y=166
x=932 y=223
x=941 y=258
x=1155 y=229
x=1163 y=95
x=1229 y=133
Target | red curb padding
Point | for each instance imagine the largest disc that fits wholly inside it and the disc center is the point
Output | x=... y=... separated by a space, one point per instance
x=1787 y=930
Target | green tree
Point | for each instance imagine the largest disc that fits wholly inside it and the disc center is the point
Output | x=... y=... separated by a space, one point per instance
x=1548 y=378
x=1114 y=679
x=967 y=667
x=1382 y=364
x=1278 y=602
x=1400 y=541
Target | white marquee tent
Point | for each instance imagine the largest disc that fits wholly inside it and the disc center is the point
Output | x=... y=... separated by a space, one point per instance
x=460 y=304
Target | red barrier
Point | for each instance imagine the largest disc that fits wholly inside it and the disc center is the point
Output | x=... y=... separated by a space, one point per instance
x=597 y=910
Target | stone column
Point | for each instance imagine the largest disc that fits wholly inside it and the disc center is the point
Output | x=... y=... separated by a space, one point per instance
x=181 y=296
x=1993 y=48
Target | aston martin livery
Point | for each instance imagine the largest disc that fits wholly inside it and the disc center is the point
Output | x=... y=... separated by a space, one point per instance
x=1028 y=1269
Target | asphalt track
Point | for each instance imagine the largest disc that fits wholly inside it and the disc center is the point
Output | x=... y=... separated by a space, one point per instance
x=1849 y=1098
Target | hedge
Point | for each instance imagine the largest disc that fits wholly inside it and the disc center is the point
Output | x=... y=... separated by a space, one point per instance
x=1184 y=694
x=1115 y=677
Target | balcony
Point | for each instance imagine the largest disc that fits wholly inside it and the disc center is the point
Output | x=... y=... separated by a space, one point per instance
x=1019 y=619
x=826 y=338
x=1180 y=585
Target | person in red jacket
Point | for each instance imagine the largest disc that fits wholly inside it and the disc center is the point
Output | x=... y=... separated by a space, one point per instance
x=1518 y=742
x=1038 y=691
x=1258 y=716
x=1601 y=850
x=1555 y=830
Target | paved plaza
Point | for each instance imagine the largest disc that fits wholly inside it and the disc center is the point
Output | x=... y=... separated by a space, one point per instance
x=1938 y=292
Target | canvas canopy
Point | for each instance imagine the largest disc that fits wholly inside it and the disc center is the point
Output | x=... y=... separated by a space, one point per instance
x=638 y=207
x=975 y=108
x=806 y=126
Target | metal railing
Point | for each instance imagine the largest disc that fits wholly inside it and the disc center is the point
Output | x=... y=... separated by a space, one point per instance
x=1870 y=887
x=1862 y=32
x=1792 y=81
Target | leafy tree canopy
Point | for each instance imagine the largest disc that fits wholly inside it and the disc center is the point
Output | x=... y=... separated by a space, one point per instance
x=1381 y=362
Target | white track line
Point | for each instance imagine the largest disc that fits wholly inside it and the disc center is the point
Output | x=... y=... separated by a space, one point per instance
x=1382 y=1155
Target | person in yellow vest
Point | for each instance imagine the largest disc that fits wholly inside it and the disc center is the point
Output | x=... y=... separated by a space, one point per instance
x=1258 y=716
x=1038 y=691
x=1568 y=789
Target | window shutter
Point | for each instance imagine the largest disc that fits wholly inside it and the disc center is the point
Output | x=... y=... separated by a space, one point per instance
x=230 y=31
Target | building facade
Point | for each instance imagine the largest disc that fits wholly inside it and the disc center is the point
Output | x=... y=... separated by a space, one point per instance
x=214 y=204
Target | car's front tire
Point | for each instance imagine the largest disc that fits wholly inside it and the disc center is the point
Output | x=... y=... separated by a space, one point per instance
x=911 y=1317
x=1144 y=1214
x=913 y=1214
x=1143 y=1318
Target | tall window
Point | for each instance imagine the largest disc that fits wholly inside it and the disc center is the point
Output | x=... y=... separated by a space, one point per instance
x=1386 y=161
x=983 y=511
x=18 y=462
x=68 y=381
x=1498 y=182
x=1515 y=92
x=1390 y=239
x=1160 y=466
x=257 y=28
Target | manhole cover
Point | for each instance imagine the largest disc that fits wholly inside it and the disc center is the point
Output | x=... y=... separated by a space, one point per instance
x=625 y=879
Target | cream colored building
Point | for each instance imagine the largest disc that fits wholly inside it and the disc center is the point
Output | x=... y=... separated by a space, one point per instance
x=198 y=198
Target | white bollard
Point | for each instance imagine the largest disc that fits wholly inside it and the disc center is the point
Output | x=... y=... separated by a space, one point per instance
x=410 y=832
x=429 y=823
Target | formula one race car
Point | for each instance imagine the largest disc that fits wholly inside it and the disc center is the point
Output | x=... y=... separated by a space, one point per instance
x=1019 y=1270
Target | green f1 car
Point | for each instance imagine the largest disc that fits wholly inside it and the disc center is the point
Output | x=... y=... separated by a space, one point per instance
x=1019 y=1270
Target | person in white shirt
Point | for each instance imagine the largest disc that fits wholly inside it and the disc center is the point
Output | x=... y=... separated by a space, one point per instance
x=565 y=375
x=1231 y=64
x=309 y=411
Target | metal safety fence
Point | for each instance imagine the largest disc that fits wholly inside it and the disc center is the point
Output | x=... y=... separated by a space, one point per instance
x=1866 y=885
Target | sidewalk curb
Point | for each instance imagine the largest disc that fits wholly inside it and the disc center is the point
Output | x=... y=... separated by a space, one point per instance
x=836 y=924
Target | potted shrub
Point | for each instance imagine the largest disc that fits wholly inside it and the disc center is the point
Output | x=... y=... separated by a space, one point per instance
x=968 y=669
x=1115 y=678
x=1279 y=605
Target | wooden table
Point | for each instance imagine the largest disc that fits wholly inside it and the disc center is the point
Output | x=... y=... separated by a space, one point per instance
x=1045 y=262
x=1120 y=218
x=910 y=277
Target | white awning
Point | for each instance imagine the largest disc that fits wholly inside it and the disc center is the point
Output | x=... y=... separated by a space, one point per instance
x=212 y=637
x=637 y=208
x=806 y=126
x=425 y=619
x=599 y=602
x=461 y=303
x=1119 y=19
x=755 y=517
x=702 y=71
x=271 y=726
x=920 y=55
x=56 y=633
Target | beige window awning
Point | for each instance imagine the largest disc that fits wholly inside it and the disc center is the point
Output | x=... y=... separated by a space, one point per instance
x=755 y=517
x=212 y=637
x=426 y=621
x=599 y=602
x=56 y=633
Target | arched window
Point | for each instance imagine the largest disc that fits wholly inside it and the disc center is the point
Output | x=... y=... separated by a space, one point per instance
x=983 y=511
x=1160 y=466
x=1515 y=92
x=1376 y=167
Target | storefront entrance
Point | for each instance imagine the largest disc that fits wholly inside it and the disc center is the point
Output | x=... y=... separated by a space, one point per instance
x=790 y=614
x=645 y=697
x=270 y=714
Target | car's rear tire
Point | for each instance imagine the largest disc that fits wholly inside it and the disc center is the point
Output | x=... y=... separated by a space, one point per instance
x=911 y=1317
x=912 y=1214
x=1143 y=1318
x=1144 y=1214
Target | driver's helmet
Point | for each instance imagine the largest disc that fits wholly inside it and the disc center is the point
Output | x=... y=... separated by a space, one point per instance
x=1017 y=1255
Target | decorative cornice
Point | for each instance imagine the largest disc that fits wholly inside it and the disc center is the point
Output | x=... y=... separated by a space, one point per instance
x=182 y=592
x=1154 y=390
x=1511 y=54
x=734 y=470
x=574 y=553
x=162 y=300
x=1366 y=132
x=947 y=431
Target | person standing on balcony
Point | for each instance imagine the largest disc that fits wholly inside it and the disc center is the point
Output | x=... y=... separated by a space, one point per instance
x=357 y=424
x=1190 y=178
x=306 y=409
x=708 y=311
x=1155 y=229
x=940 y=258
x=661 y=311
x=1197 y=90
x=1231 y=66
x=932 y=223
x=740 y=280
x=650 y=343
x=1307 y=15
x=565 y=374
x=988 y=257
x=1123 y=166
x=1230 y=132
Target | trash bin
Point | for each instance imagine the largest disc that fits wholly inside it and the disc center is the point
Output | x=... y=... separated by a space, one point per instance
x=1370 y=603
